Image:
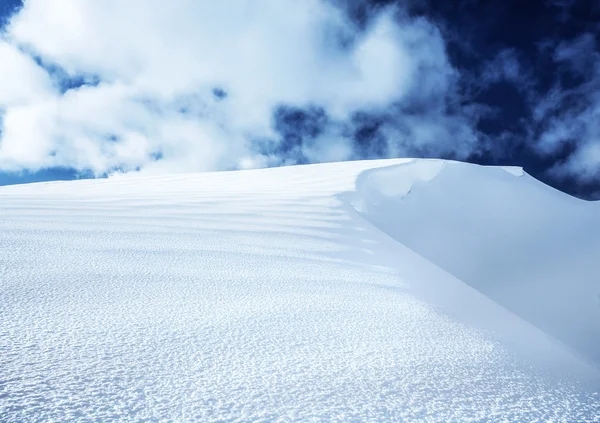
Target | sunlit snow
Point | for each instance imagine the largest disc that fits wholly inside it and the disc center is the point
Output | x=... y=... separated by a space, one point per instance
x=363 y=291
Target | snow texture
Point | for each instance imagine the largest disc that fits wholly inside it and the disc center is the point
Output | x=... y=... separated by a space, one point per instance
x=307 y=293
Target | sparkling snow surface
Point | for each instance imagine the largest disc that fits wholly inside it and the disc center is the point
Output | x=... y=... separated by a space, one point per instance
x=262 y=295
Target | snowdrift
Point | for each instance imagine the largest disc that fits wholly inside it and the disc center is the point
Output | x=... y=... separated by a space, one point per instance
x=530 y=248
x=360 y=291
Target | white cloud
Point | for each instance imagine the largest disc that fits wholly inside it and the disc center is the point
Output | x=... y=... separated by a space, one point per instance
x=21 y=79
x=158 y=62
x=585 y=162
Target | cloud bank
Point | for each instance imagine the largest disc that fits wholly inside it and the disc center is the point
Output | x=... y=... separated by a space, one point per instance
x=190 y=85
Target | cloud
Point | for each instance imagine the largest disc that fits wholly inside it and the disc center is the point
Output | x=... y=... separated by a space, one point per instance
x=568 y=116
x=191 y=85
x=503 y=67
x=17 y=66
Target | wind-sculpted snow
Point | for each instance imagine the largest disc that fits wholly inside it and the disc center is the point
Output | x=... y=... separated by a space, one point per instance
x=252 y=296
x=527 y=246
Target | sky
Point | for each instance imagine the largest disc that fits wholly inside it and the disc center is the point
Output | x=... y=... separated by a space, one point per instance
x=91 y=88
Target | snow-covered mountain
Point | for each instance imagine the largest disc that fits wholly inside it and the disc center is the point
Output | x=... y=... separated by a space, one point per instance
x=386 y=290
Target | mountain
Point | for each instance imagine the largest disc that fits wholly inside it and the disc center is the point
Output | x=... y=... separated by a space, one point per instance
x=386 y=290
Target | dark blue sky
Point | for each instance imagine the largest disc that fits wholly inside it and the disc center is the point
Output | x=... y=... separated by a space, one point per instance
x=529 y=28
x=477 y=33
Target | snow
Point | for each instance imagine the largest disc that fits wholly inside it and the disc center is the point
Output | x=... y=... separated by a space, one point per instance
x=514 y=170
x=307 y=293
x=530 y=248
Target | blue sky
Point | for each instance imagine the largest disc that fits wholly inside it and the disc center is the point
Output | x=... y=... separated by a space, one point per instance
x=51 y=174
x=8 y=6
x=277 y=83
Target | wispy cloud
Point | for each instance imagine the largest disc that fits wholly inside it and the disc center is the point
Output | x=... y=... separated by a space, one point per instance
x=569 y=114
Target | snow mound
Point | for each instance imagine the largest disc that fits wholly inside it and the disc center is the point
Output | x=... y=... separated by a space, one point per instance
x=528 y=247
x=261 y=296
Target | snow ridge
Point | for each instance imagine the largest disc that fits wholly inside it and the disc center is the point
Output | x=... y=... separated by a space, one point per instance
x=523 y=244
